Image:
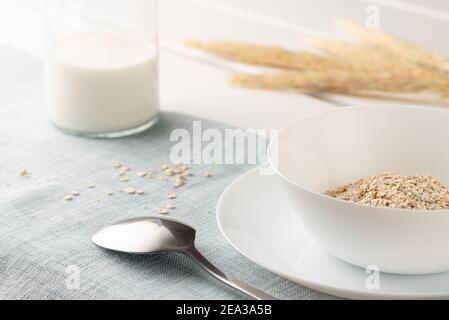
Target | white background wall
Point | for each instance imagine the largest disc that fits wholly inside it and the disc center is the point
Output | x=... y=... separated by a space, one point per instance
x=424 y=21
x=189 y=85
x=278 y=21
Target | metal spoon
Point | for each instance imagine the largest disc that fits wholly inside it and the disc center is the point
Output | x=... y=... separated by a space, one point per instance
x=157 y=235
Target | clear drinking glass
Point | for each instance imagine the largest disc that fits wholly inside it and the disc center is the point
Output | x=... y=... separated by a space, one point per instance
x=102 y=66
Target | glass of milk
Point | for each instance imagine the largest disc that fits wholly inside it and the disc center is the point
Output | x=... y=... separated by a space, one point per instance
x=102 y=66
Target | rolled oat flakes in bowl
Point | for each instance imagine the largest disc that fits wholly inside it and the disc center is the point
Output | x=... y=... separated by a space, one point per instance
x=329 y=165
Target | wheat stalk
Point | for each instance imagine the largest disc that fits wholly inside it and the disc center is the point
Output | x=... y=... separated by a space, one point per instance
x=375 y=63
x=340 y=82
x=266 y=56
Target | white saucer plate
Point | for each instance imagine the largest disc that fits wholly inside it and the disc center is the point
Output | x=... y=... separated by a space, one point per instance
x=255 y=217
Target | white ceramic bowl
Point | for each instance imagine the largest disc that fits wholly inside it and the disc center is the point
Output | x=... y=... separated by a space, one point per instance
x=325 y=151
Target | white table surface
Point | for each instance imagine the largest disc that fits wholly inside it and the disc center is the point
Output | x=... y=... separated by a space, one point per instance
x=195 y=84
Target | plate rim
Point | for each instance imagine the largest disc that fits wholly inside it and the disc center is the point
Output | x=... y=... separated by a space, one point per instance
x=332 y=290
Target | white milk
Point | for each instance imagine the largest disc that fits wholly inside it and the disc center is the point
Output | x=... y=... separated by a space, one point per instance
x=102 y=82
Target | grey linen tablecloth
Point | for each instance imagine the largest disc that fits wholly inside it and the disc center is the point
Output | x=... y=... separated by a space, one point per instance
x=45 y=241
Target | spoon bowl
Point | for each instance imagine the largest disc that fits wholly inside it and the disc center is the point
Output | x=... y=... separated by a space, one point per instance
x=146 y=236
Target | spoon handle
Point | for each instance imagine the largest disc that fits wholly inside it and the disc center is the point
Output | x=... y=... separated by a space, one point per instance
x=233 y=283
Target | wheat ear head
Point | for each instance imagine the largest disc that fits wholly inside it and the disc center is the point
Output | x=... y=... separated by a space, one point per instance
x=398 y=47
x=369 y=60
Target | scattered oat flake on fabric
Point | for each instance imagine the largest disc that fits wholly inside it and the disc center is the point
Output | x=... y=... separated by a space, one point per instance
x=116 y=164
x=142 y=174
x=170 y=206
x=130 y=190
x=179 y=183
x=24 y=173
x=171 y=195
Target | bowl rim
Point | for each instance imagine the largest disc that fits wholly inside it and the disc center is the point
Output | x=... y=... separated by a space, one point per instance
x=323 y=196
